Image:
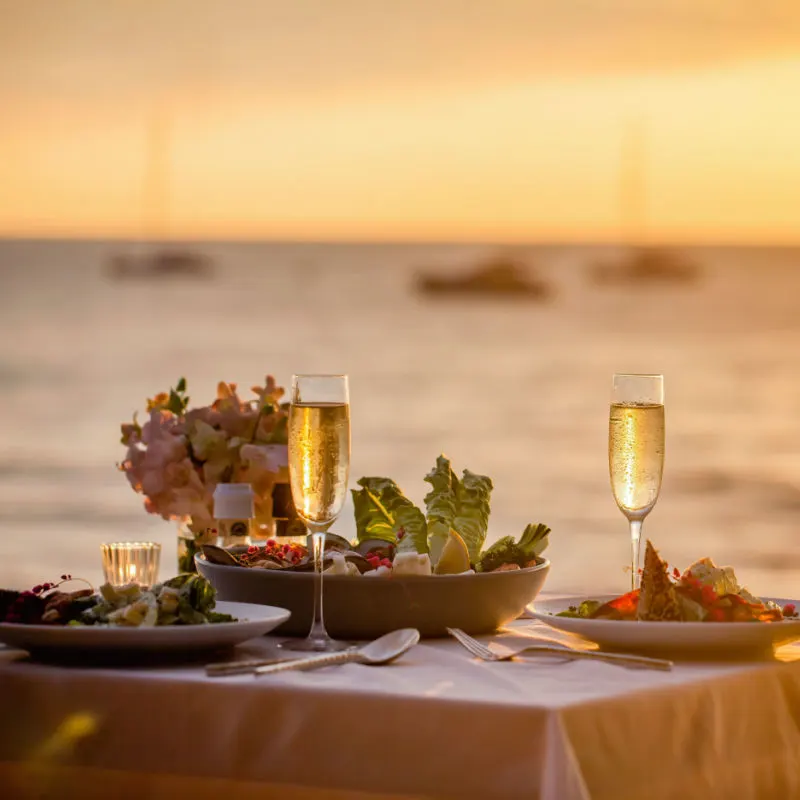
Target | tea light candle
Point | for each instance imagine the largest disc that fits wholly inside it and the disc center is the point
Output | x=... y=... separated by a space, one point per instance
x=131 y=562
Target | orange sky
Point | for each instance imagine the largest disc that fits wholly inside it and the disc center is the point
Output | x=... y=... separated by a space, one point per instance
x=432 y=119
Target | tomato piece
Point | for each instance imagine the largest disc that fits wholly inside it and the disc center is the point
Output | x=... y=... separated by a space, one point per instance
x=622 y=607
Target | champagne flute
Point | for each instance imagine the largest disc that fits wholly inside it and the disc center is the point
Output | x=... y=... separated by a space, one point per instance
x=636 y=451
x=319 y=464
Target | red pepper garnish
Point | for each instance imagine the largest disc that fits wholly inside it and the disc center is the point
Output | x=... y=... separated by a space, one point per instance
x=623 y=607
x=708 y=595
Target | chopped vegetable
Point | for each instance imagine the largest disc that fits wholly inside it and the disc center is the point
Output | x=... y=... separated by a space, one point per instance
x=508 y=551
x=585 y=609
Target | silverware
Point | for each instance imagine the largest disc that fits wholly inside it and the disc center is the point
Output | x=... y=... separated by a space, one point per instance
x=500 y=653
x=381 y=651
x=241 y=667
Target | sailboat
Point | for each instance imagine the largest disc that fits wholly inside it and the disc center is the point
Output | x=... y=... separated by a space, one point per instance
x=498 y=277
x=158 y=261
x=643 y=264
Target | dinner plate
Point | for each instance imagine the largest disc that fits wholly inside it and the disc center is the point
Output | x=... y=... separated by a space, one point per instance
x=668 y=637
x=251 y=620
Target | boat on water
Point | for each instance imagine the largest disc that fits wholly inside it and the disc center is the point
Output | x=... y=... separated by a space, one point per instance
x=647 y=266
x=161 y=264
x=500 y=277
x=151 y=258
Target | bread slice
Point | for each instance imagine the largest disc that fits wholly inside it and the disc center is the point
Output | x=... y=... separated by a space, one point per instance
x=658 y=600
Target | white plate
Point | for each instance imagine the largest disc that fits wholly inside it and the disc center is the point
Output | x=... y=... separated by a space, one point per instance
x=252 y=620
x=668 y=636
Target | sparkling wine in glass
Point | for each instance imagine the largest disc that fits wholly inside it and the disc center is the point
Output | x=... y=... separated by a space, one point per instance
x=319 y=465
x=636 y=451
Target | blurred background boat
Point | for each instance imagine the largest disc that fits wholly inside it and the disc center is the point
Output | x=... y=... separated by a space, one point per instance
x=161 y=264
x=501 y=276
x=645 y=266
x=155 y=261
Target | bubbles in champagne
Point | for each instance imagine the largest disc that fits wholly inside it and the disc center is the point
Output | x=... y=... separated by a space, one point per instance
x=636 y=456
x=319 y=459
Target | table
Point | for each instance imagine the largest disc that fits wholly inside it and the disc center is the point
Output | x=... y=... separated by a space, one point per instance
x=436 y=724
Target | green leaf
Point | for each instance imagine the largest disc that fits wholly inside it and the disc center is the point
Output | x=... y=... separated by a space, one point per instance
x=472 y=511
x=196 y=593
x=178 y=400
x=174 y=403
x=280 y=433
x=373 y=521
x=508 y=551
x=584 y=610
x=534 y=540
x=402 y=513
x=503 y=551
x=440 y=504
x=217 y=616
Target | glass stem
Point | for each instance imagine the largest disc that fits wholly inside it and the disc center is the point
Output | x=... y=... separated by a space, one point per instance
x=636 y=538
x=318 y=632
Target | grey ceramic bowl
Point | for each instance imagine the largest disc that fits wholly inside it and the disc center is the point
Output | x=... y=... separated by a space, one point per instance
x=362 y=608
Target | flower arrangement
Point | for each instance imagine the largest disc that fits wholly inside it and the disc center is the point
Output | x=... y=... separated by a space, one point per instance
x=180 y=454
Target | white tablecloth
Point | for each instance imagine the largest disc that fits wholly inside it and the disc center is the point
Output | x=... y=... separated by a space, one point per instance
x=437 y=723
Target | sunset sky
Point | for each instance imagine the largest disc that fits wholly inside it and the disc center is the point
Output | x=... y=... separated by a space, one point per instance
x=401 y=119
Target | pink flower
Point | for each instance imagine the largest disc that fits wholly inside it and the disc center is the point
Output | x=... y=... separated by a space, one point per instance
x=207 y=442
x=186 y=503
x=261 y=466
x=159 y=426
x=270 y=394
x=183 y=474
x=226 y=442
x=205 y=414
x=152 y=482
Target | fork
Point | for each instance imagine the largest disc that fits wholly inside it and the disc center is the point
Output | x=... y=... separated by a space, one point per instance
x=507 y=654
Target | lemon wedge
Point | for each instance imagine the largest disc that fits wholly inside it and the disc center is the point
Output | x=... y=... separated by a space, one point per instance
x=455 y=556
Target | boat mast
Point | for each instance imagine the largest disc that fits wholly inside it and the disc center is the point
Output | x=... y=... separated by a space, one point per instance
x=632 y=188
x=155 y=195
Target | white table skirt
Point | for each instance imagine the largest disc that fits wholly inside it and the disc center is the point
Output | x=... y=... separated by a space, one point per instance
x=437 y=723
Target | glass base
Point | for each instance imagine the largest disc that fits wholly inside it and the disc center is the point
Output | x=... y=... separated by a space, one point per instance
x=315 y=645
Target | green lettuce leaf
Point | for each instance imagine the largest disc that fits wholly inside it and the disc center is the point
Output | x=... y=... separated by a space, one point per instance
x=472 y=511
x=372 y=519
x=382 y=511
x=196 y=595
x=440 y=504
x=534 y=540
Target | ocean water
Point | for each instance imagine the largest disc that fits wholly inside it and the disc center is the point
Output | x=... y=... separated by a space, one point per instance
x=518 y=391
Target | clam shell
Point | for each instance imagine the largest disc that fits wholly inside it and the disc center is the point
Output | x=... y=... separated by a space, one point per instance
x=218 y=555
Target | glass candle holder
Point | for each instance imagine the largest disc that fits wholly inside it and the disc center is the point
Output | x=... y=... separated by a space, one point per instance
x=131 y=562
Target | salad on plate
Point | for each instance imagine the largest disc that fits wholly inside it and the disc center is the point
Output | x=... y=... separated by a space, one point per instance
x=702 y=593
x=187 y=599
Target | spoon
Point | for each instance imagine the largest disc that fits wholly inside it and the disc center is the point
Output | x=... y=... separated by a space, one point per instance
x=381 y=651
